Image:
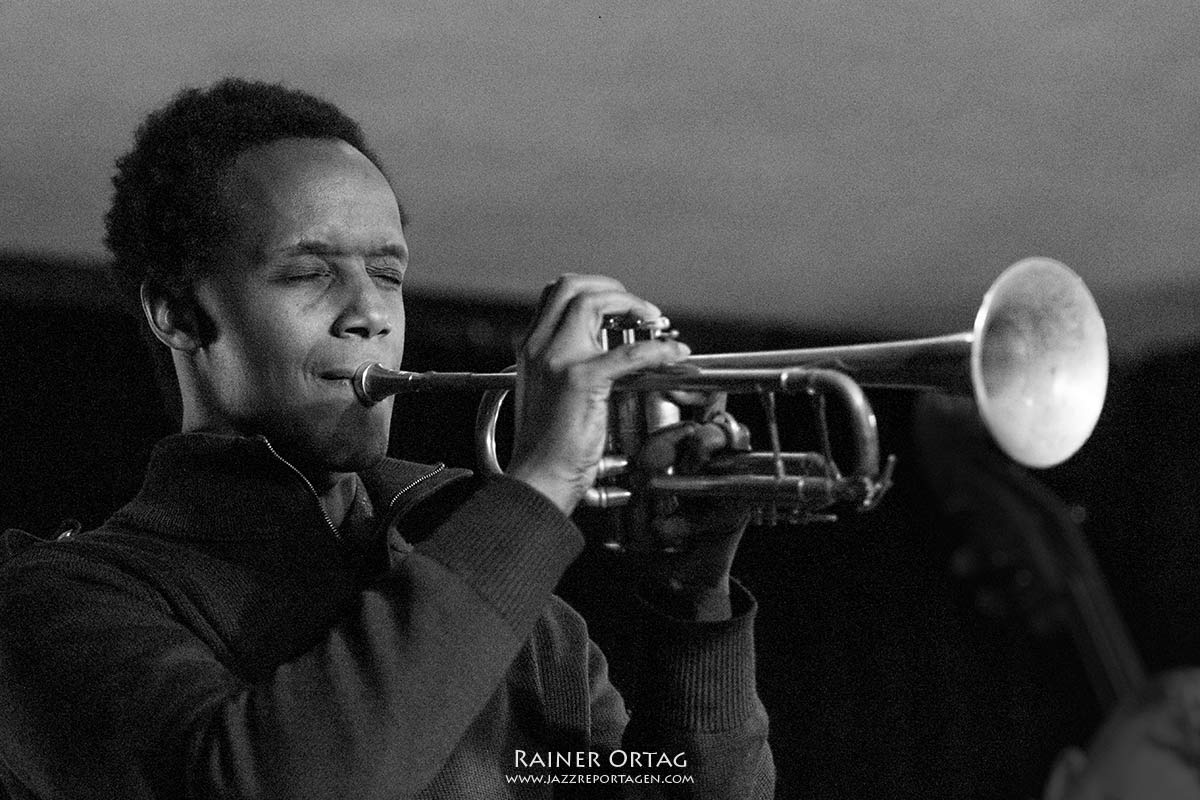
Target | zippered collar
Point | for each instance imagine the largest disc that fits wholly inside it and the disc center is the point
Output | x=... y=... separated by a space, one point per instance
x=221 y=487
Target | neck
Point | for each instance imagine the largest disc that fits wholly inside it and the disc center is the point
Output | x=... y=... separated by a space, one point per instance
x=336 y=492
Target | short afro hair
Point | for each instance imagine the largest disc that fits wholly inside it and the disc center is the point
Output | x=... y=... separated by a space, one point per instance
x=166 y=211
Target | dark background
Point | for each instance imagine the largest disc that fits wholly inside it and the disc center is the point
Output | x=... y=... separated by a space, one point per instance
x=882 y=674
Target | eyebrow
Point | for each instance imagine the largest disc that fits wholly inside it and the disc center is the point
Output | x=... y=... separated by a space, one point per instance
x=320 y=248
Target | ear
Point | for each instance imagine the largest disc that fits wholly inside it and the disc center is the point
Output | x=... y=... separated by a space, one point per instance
x=1066 y=774
x=175 y=320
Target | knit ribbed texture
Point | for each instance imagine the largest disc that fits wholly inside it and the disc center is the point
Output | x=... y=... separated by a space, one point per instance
x=701 y=675
x=510 y=543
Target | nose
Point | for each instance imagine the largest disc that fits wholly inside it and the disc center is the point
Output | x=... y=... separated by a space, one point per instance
x=366 y=310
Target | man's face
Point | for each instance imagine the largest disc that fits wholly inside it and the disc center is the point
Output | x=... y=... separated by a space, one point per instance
x=307 y=288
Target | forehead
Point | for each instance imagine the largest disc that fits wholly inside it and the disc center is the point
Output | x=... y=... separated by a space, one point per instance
x=311 y=189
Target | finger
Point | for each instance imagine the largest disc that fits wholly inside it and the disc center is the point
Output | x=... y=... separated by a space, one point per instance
x=704 y=441
x=660 y=449
x=558 y=292
x=583 y=320
x=687 y=446
x=717 y=401
x=708 y=403
x=611 y=365
x=557 y=298
x=690 y=398
x=697 y=449
x=581 y=303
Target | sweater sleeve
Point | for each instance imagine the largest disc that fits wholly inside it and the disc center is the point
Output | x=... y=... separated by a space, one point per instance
x=697 y=695
x=107 y=693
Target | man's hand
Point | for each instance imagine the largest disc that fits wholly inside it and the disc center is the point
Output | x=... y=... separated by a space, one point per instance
x=694 y=582
x=564 y=378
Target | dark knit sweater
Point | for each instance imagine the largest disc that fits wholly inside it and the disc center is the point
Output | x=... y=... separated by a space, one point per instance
x=218 y=637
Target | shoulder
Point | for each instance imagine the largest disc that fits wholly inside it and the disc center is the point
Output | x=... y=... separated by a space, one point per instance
x=560 y=629
x=48 y=584
x=107 y=556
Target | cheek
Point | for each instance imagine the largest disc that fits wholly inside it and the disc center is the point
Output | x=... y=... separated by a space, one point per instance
x=276 y=336
x=395 y=338
x=258 y=363
x=260 y=358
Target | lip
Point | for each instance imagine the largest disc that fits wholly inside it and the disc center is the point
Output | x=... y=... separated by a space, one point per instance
x=342 y=372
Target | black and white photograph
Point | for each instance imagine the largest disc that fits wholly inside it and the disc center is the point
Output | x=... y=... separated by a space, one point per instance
x=600 y=400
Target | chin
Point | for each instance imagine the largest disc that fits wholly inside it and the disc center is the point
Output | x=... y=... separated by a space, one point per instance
x=353 y=448
x=333 y=456
x=347 y=443
x=359 y=458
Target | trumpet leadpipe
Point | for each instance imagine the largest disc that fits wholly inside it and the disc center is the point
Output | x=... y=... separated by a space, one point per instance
x=373 y=382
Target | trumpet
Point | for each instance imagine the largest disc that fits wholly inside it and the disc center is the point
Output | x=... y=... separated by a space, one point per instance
x=1035 y=362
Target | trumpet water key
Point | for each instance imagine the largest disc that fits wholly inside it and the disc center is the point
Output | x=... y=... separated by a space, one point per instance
x=1035 y=362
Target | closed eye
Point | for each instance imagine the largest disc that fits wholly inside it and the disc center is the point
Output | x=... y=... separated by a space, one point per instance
x=387 y=270
x=302 y=268
x=302 y=276
x=389 y=277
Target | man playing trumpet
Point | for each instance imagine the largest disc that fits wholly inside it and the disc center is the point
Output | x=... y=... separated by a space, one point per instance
x=283 y=611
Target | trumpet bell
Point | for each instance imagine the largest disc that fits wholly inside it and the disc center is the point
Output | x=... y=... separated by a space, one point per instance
x=1039 y=362
x=1036 y=362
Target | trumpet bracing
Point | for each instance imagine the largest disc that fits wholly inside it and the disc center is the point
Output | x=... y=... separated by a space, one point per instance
x=1035 y=362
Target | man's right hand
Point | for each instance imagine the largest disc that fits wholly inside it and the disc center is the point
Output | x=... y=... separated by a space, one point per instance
x=565 y=377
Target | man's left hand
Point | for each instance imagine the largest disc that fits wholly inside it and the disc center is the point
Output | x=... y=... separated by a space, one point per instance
x=694 y=581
